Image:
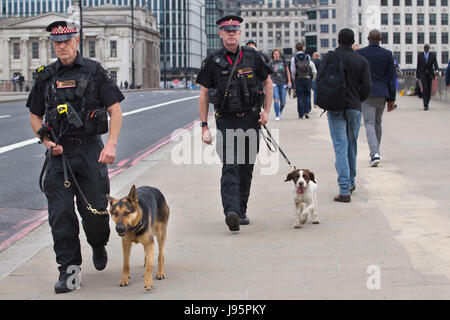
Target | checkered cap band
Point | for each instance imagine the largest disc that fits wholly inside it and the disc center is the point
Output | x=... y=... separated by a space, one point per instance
x=230 y=22
x=63 y=30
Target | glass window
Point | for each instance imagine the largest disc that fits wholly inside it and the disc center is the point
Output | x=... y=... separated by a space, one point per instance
x=113 y=74
x=432 y=19
x=396 y=19
x=444 y=38
x=420 y=19
x=408 y=38
x=444 y=19
x=35 y=50
x=409 y=57
x=420 y=38
x=433 y=38
x=384 y=19
x=408 y=19
x=397 y=37
x=91 y=49
x=384 y=37
x=16 y=50
x=113 y=49
x=444 y=57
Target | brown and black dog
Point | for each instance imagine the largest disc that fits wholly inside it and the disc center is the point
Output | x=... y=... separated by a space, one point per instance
x=139 y=217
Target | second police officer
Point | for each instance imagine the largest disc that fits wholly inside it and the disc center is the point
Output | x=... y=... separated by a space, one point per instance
x=75 y=94
x=229 y=80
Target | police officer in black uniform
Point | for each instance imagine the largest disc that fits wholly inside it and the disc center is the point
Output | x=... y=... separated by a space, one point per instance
x=229 y=80
x=75 y=94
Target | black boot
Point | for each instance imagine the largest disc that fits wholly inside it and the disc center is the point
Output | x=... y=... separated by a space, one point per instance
x=232 y=221
x=61 y=285
x=99 y=257
x=243 y=219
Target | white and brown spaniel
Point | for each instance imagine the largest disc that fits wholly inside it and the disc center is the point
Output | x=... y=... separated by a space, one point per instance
x=305 y=196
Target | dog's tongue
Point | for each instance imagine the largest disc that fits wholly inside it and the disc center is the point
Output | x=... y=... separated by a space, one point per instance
x=300 y=190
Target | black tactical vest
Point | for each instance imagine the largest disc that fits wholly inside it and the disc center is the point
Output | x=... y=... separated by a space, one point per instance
x=74 y=87
x=243 y=92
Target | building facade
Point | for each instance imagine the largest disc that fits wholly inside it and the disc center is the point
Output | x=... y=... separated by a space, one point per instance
x=181 y=24
x=106 y=38
x=283 y=23
x=406 y=26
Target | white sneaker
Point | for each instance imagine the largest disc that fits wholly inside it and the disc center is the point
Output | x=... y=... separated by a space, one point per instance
x=375 y=161
x=277 y=119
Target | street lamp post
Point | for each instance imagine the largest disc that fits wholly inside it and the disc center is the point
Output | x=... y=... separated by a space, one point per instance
x=81 y=27
x=132 y=45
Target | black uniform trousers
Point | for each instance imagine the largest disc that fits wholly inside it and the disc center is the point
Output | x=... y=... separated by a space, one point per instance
x=237 y=150
x=427 y=83
x=93 y=180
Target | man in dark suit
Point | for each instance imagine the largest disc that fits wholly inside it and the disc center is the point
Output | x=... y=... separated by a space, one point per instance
x=382 y=74
x=426 y=68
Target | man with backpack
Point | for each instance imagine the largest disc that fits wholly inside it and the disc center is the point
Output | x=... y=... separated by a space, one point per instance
x=343 y=82
x=303 y=70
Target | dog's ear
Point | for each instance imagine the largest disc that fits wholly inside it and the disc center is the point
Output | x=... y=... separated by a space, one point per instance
x=289 y=177
x=311 y=177
x=111 y=200
x=132 y=196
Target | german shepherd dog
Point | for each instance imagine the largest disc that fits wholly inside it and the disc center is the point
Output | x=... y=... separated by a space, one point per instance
x=139 y=217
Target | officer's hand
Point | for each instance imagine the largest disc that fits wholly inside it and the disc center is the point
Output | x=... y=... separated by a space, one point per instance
x=390 y=106
x=264 y=117
x=206 y=135
x=108 y=154
x=57 y=149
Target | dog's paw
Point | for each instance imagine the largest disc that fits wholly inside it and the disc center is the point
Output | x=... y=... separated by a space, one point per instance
x=160 y=276
x=124 y=282
x=148 y=285
x=298 y=225
x=316 y=221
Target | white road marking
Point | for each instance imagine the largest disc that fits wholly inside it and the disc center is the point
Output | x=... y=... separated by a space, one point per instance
x=35 y=140
x=18 y=145
x=6 y=116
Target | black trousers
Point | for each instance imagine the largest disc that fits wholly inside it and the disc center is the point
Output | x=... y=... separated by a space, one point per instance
x=237 y=147
x=93 y=180
x=426 y=95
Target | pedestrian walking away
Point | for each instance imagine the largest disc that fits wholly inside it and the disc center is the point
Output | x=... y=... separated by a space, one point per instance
x=303 y=70
x=345 y=124
x=427 y=66
x=228 y=79
x=75 y=94
x=383 y=75
x=281 y=79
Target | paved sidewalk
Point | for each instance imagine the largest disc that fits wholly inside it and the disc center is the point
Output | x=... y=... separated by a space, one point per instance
x=398 y=223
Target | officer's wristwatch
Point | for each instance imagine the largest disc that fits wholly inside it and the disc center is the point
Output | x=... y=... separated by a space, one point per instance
x=204 y=124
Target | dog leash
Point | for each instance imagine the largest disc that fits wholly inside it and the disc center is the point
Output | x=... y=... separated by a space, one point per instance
x=66 y=165
x=271 y=140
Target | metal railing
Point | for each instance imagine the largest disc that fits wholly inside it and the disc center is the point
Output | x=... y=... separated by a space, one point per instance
x=439 y=90
x=10 y=86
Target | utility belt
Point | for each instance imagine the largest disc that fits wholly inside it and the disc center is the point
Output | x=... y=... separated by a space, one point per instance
x=238 y=114
x=79 y=140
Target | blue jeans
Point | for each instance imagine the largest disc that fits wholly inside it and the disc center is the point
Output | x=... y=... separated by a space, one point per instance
x=344 y=134
x=303 y=91
x=314 y=87
x=279 y=98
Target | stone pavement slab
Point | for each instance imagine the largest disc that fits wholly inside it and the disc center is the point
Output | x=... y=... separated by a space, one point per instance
x=398 y=223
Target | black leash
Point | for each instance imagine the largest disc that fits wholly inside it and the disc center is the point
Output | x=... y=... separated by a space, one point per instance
x=66 y=165
x=272 y=141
